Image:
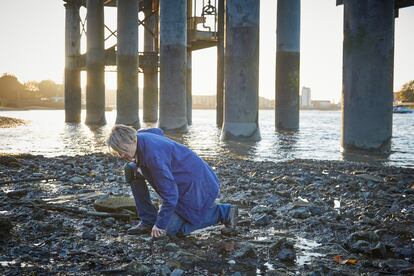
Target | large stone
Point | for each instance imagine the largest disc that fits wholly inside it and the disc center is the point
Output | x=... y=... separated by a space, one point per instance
x=283 y=250
x=115 y=204
x=246 y=252
x=300 y=213
x=76 y=180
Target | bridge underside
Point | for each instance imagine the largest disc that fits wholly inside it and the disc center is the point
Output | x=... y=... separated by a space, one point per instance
x=399 y=4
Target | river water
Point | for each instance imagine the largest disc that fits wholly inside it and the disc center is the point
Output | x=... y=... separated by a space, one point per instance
x=318 y=137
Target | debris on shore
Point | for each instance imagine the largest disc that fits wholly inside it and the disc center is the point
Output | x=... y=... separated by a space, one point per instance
x=8 y=122
x=301 y=216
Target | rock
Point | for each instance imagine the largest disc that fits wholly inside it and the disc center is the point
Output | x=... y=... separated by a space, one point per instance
x=177 y=272
x=37 y=175
x=370 y=177
x=115 y=204
x=283 y=250
x=259 y=209
x=379 y=250
x=109 y=222
x=228 y=246
x=315 y=210
x=165 y=270
x=370 y=236
x=231 y=262
x=112 y=178
x=246 y=252
x=44 y=226
x=76 y=180
x=262 y=220
x=406 y=251
x=39 y=214
x=7 y=160
x=273 y=199
x=227 y=231
x=300 y=213
x=394 y=265
x=5 y=227
x=137 y=268
x=89 y=236
x=16 y=194
x=361 y=246
x=172 y=247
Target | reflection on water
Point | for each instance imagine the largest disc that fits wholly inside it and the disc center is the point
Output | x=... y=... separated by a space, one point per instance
x=317 y=138
x=359 y=156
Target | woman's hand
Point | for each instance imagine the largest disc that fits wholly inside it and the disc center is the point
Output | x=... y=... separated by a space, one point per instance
x=157 y=232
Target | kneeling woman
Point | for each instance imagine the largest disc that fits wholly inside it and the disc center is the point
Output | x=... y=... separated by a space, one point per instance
x=186 y=184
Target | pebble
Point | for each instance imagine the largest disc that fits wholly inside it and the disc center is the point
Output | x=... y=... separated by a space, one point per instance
x=76 y=180
x=89 y=236
x=177 y=272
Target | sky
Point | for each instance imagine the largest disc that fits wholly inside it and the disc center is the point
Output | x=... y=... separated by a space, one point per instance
x=32 y=46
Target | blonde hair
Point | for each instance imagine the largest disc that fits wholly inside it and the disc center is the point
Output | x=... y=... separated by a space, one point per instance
x=120 y=137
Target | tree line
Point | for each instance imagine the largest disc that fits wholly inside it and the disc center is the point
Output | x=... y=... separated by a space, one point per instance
x=406 y=94
x=12 y=89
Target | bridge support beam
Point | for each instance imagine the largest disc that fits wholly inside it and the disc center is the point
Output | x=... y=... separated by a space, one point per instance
x=72 y=72
x=127 y=63
x=368 y=61
x=150 y=101
x=287 y=65
x=189 y=98
x=173 y=65
x=95 y=63
x=242 y=71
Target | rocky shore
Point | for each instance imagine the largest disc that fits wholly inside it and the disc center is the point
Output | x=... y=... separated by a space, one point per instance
x=302 y=217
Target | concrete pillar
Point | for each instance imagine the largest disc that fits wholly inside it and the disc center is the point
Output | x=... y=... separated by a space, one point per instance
x=189 y=99
x=173 y=65
x=287 y=64
x=95 y=63
x=150 y=71
x=368 y=61
x=127 y=63
x=242 y=71
x=72 y=71
x=220 y=62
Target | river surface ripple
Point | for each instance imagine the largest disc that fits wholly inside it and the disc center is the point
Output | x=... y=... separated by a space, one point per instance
x=318 y=137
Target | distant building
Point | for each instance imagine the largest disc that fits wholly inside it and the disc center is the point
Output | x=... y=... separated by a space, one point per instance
x=306 y=97
x=204 y=102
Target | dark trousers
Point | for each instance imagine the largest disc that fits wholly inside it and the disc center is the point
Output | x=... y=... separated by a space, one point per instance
x=177 y=225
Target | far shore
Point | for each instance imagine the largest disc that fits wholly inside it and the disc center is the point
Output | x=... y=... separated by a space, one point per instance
x=28 y=108
x=8 y=122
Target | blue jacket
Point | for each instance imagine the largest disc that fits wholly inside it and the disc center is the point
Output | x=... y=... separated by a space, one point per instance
x=186 y=184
